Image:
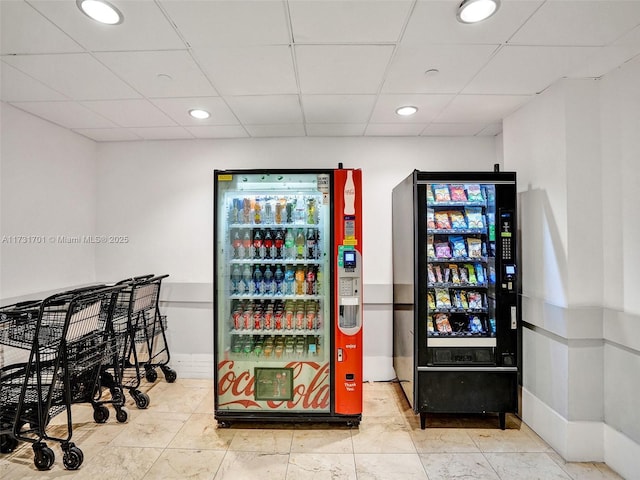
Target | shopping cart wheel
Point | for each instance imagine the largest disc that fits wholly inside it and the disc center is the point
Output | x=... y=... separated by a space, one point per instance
x=43 y=456
x=117 y=396
x=100 y=414
x=121 y=415
x=7 y=443
x=170 y=374
x=151 y=375
x=73 y=458
x=142 y=399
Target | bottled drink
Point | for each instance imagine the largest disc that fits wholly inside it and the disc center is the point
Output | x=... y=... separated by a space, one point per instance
x=258 y=286
x=246 y=244
x=236 y=242
x=300 y=242
x=236 y=276
x=311 y=211
x=349 y=194
x=247 y=284
x=280 y=206
x=234 y=211
x=289 y=244
x=278 y=243
x=319 y=278
x=257 y=211
x=268 y=243
x=289 y=210
x=246 y=210
x=300 y=280
x=267 y=278
x=257 y=243
x=312 y=247
x=288 y=280
x=268 y=211
x=311 y=280
x=278 y=277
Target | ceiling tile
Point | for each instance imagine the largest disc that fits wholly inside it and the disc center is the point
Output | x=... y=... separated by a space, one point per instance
x=66 y=114
x=579 y=22
x=131 y=113
x=394 y=129
x=347 y=21
x=520 y=70
x=293 y=130
x=481 y=108
x=211 y=23
x=336 y=129
x=178 y=110
x=218 y=131
x=77 y=75
x=337 y=108
x=456 y=65
x=429 y=106
x=24 y=30
x=434 y=22
x=256 y=70
x=145 y=27
x=16 y=86
x=162 y=133
x=342 y=68
x=147 y=72
x=453 y=129
x=108 y=134
x=266 y=109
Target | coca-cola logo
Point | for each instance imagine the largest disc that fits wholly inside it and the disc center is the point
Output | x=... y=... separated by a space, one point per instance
x=313 y=394
x=349 y=191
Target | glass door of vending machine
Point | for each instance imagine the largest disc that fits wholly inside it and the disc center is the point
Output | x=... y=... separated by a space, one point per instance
x=272 y=297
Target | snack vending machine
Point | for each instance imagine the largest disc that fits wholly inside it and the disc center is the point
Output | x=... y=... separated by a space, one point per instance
x=288 y=295
x=456 y=316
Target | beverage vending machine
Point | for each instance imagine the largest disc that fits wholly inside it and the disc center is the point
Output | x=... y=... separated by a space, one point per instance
x=288 y=296
x=457 y=330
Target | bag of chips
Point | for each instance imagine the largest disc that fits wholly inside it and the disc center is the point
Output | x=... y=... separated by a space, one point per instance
x=442 y=298
x=474 y=193
x=438 y=271
x=459 y=248
x=455 y=276
x=475 y=300
x=431 y=253
x=471 y=274
x=441 y=193
x=429 y=194
x=443 y=250
x=442 y=322
x=457 y=300
x=475 y=324
x=480 y=275
x=457 y=193
x=464 y=275
x=430 y=275
x=442 y=221
x=431 y=302
x=431 y=219
x=458 y=221
x=474 y=217
x=475 y=247
x=463 y=300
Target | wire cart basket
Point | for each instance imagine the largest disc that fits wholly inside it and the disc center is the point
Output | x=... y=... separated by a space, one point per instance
x=53 y=352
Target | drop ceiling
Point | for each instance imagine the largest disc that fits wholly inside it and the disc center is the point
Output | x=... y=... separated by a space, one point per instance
x=277 y=68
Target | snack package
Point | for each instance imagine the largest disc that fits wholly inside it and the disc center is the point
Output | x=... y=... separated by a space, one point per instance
x=474 y=217
x=441 y=193
x=443 y=250
x=457 y=299
x=431 y=253
x=429 y=194
x=446 y=275
x=459 y=326
x=442 y=322
x=438 y=271
x=430 y=275
x=474 y=193
x=457 y=193
x=431 y=218
x=471 y=274
x=455 y=276
x=475 y=247
x=442 y=298
x=458 y=221
x=431 y=302
x=475 y=300
x=480 y=275
x=475 y=324
x=464 y=275
x=463 y=300
x=442 y=221
x=459 y=249
x=430 y=326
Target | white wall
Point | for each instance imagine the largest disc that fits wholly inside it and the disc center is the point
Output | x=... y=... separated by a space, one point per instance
x=48 y=191
x=160 y=195
x=576 y=148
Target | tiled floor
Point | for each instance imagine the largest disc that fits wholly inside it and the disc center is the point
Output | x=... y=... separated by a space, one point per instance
x=177 y=438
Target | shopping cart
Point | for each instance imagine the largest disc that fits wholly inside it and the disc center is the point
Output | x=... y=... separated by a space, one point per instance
x=67 y=339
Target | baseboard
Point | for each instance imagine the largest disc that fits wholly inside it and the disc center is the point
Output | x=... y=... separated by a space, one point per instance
x=621 y=454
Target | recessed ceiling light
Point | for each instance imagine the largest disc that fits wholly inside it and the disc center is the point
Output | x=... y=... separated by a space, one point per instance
x=432 y=72
x=472 y=11
x=164 y=77
x=406 y=111
x=101 y=11
x=199 y=114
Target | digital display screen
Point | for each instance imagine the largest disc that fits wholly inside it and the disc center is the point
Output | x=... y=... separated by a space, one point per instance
x=349 y=258
x=510 y=269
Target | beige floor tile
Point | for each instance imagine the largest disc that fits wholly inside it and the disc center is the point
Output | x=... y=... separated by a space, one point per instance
x=525 y=466
x=263 y=441
x=585 y=470
x=315 y=466
x=176 y=397
x=151 y=429
x=443 y=466
x=322 y=441
x=444 y=440
x=382 y=437
x=179 y=464
x=253 y=466
x=200 y=431
x=496 y=440
x=389 y=467
x=207 y=403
